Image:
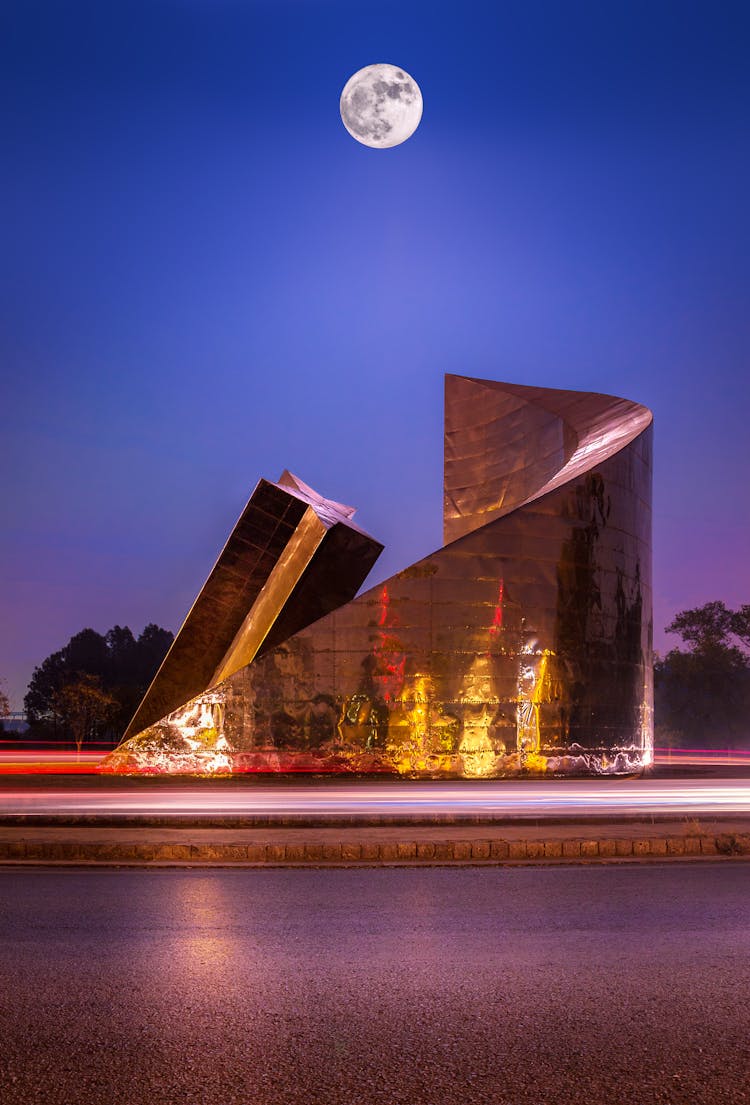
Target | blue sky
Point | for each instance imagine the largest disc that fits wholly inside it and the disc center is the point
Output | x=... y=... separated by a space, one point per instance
x=204 y=279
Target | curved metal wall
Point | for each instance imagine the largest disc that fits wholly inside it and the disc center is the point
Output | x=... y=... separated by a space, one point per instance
x=523 y=645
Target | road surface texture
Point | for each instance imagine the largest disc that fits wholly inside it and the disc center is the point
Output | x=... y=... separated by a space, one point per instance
x=393 y=986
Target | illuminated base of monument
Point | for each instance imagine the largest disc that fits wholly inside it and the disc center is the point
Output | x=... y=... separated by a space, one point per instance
x=192 y=742
x=154 y=759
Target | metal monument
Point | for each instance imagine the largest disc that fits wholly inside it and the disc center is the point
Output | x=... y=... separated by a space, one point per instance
x=522 y=645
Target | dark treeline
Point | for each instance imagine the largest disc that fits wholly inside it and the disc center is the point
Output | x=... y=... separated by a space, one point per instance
x=702 y=691
x=87 y=692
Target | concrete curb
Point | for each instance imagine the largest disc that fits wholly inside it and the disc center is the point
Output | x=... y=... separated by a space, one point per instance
x=489 y=851
x=341 y=822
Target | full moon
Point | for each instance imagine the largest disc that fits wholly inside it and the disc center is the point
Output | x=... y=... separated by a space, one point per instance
x=381 y=106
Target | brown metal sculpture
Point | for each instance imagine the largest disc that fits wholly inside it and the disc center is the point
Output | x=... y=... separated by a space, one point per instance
x=522 y=645
x=291 y=558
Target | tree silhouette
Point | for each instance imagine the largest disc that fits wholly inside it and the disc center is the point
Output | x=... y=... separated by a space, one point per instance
x=4 y=707
x=703 y=692
x=116 y=665
x=84 y=708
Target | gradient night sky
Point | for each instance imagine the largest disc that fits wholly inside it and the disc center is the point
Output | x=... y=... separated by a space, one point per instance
x=204 y=279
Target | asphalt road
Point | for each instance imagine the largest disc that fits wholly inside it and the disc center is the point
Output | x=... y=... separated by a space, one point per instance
x=510 y=798
x=555 y=985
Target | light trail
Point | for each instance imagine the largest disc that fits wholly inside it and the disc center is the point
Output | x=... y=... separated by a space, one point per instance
x=33 y=762
x=43 y=762
x=708 y=757
x=498 y=799
x=389 y=797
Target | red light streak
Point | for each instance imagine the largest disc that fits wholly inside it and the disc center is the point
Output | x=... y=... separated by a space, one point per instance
x=43 y=762
x=33 y=762
x=497 y=617
x=390 y=663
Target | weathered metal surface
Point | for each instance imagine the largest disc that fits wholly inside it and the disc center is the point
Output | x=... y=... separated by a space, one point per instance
x=524 y=644
x=291 y=558
x=506 y=444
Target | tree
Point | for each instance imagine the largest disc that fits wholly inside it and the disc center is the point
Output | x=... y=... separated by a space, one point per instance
x=741 y=625
x=703 y=692
x=4 y=708
x=85 y=709
x=121 y=667
x=706 y=627
x=151 y=648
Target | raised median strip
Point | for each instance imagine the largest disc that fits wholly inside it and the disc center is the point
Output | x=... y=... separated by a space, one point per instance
x=365 y=845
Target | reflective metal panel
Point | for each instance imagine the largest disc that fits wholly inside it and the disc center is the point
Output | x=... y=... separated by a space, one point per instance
x=508 y=443
x=524 y=644
x=291 y=558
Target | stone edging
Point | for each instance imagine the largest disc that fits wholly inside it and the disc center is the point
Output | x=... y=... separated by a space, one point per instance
x=490 y=851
